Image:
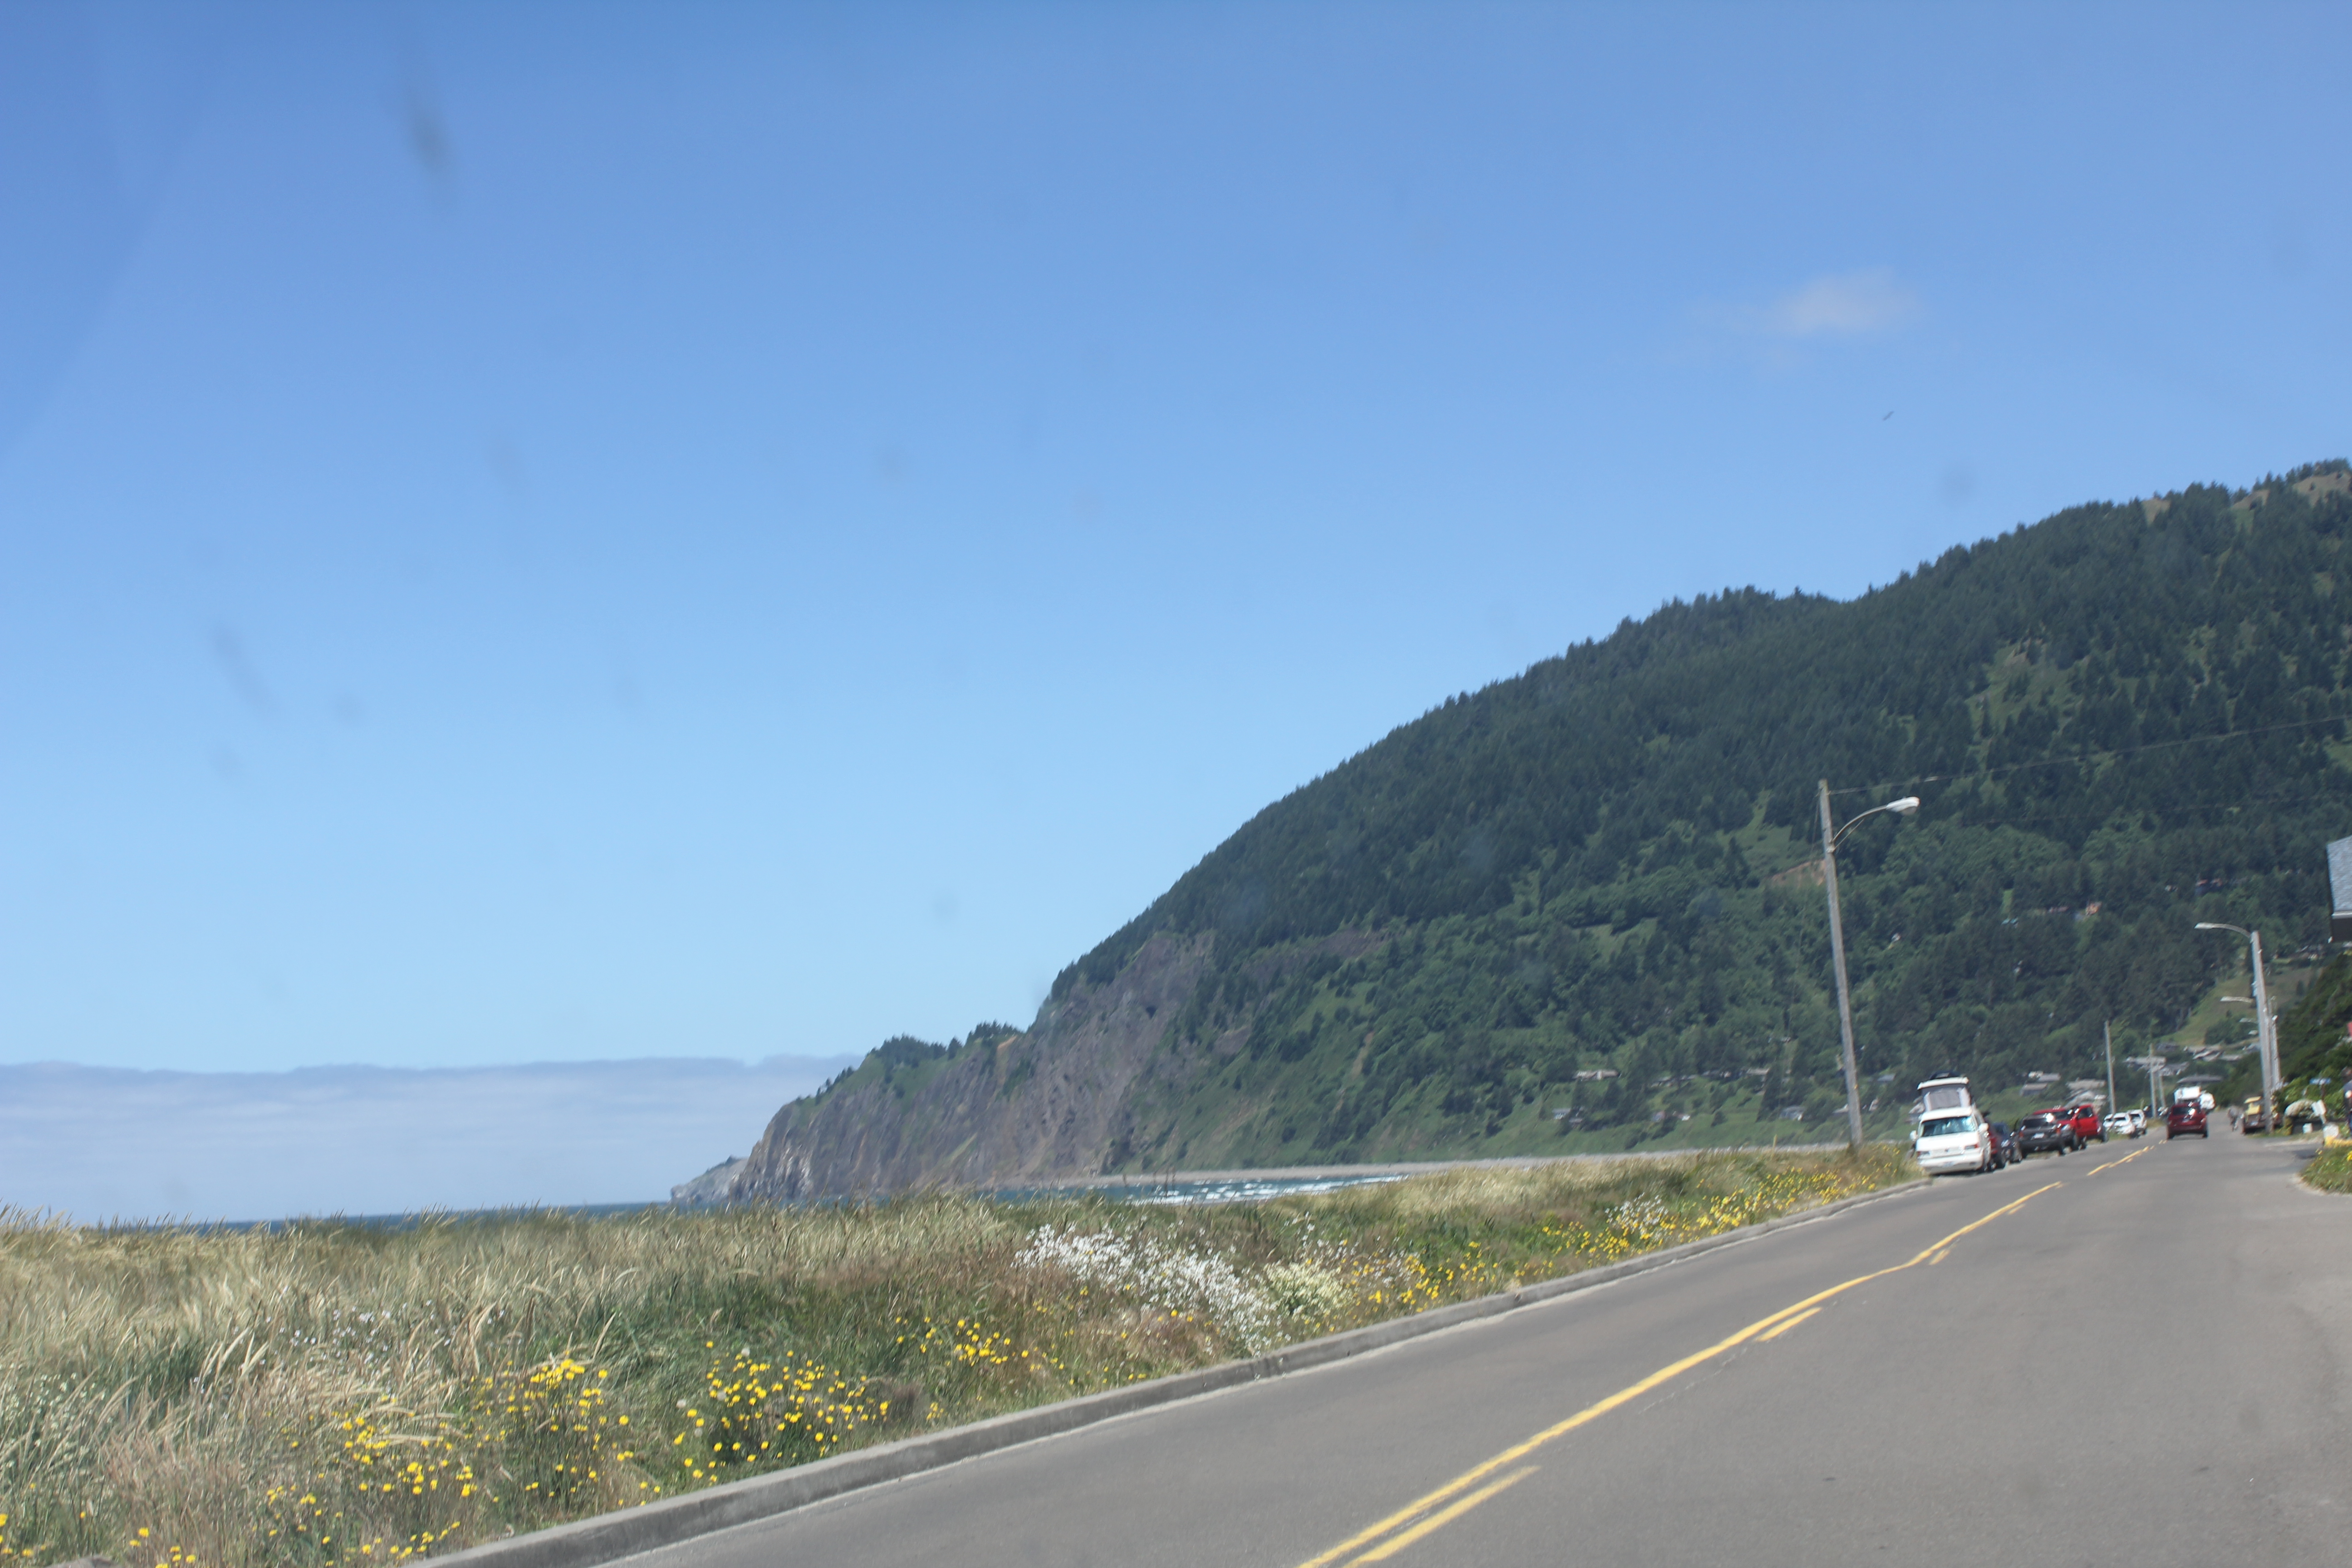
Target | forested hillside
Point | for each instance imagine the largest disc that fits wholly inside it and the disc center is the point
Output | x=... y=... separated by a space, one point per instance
x=2314 y=1046
x=1586 y=901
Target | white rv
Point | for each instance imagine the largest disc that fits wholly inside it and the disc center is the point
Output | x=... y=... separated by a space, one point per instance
x=1948 y=1129
x=1943 y=1097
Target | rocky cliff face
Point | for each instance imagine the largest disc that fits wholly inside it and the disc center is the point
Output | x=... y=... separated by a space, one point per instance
x=710 y=1187
x=1061 y=1100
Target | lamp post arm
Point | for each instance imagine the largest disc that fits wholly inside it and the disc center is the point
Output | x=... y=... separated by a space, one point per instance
x=1907 y=804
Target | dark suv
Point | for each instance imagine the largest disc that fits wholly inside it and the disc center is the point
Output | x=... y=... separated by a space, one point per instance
x=2185 y=1116
x=2044 y=1131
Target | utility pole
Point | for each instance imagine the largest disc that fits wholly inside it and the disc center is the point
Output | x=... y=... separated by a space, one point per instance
x=1831 y=834
x=2268 y=1036
x=1837 y=963
x=2109 y=1026
x=2155 y=1066
x=2265 y=1039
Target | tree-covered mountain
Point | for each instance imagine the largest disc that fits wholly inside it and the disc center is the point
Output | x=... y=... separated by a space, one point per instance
x=1586 y=901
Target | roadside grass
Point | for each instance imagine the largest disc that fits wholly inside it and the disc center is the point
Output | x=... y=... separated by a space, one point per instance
x=2330 y=1170
x=339 y=1394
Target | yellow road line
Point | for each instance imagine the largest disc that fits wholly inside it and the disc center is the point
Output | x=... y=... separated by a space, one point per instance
x=1776 y=1329
x=1479 y=1472
x=2124 y=1160
x=1940 y=1255
x=1395 y=1544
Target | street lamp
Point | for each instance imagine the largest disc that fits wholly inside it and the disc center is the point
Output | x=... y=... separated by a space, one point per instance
x=2265 y=1043
x=1830 y=836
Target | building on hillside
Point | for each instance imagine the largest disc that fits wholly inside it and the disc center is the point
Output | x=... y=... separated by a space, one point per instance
x=2339 y=890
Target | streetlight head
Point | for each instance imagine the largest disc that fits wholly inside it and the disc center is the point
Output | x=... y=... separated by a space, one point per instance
x=2209 y=925
x=1906 y=805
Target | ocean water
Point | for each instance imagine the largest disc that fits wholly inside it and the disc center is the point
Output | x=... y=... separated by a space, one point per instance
x=1233 y=1190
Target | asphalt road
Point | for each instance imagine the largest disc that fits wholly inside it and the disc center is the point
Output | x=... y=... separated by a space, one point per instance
x=2137 y=1354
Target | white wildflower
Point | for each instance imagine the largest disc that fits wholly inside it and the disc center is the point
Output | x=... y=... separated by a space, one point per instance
x=1158 y=1276
x=1304 y=1291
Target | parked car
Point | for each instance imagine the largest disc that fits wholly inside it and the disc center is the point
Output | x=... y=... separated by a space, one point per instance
x=2119 y=1123
x=2254 y=1120
x=2087 y=1123
x=2004 y=1142
x=2043 y=1131
x=2185 y=1116
x=1958 y=1142
x=2139 y=1114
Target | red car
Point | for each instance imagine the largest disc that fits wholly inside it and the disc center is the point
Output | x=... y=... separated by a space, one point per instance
x=2185 y=1116
x=2087 y=1124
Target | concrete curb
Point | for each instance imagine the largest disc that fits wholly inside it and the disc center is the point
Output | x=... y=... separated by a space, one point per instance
x=608 y=1537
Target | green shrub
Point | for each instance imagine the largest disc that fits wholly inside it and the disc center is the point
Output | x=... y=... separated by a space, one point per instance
x=2331 y=1170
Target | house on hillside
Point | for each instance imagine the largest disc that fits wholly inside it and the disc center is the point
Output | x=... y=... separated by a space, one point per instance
x=2339 y=890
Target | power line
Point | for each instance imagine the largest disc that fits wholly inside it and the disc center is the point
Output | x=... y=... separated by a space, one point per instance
x=2096 y=816
x=2082 y=757
x=2140 y=811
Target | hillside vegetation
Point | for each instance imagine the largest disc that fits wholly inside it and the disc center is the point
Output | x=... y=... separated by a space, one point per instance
x=2314 y=1042
x=1585 y=903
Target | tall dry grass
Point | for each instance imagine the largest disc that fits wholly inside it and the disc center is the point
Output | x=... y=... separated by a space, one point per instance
x=328 y=1393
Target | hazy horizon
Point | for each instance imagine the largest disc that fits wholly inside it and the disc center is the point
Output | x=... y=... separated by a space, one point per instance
x=150 y=1144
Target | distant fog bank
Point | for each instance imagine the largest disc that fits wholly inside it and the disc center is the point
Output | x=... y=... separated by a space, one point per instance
x=101 y=1143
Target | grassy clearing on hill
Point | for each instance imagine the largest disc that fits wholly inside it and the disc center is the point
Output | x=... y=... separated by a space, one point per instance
x=342 y=1394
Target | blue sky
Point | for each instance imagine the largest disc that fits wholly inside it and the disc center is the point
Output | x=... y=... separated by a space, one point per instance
x=568 y=533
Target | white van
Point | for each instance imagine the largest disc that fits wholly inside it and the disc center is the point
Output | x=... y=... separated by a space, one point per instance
x=1953 y=1140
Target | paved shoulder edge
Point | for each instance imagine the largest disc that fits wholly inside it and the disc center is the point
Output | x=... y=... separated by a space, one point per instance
x=608 y=1537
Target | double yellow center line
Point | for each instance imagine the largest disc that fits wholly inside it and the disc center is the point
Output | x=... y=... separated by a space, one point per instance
x=2124 y=1160
x=1434 y=1510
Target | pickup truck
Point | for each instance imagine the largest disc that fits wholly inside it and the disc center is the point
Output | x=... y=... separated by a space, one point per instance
x=2087 y=1125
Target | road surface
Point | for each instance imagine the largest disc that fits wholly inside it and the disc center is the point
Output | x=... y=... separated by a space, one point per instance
x=2137 y=1354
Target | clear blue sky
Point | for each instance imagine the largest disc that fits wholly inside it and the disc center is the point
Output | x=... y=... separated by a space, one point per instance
x=584 y=532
